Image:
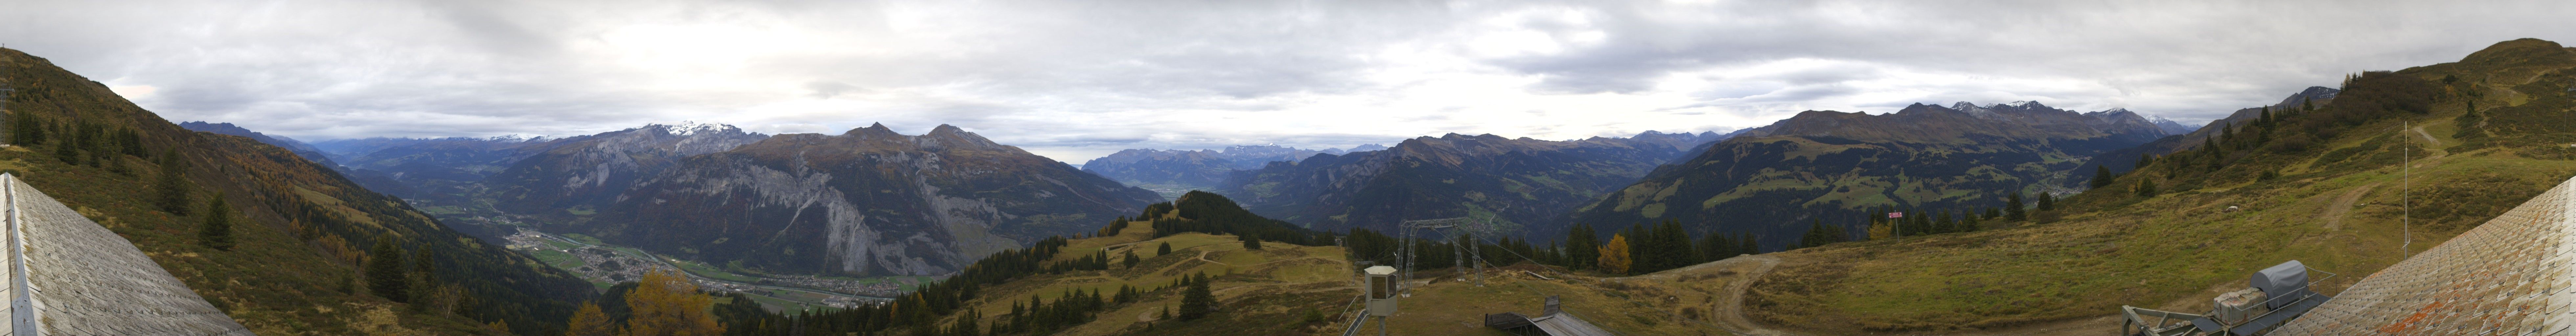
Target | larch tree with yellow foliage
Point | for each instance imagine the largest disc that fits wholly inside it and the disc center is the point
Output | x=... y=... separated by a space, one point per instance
x=667 y=304
x=589 y=321
x=1614 y=255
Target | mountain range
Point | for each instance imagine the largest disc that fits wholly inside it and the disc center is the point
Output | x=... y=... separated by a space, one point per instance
x=1198 y=168
x=1772 y=181
x=1521 y=183
x=865 y=202
x=868 y=201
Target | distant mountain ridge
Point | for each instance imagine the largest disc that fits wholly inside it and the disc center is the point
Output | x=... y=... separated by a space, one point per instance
x=372 y=180
x=1197 y=167
x=866 y=202
x=2127 y=158
x=1772 y=181
x=1525 y=182
x=299 y=147
x=591 y=170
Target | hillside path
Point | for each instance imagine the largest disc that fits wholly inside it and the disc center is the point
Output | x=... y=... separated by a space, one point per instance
x=2334 y=212
x=1732 y=313
x=2434 y=147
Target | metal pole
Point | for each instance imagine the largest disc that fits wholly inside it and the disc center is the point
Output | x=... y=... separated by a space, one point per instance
x=2406 y=193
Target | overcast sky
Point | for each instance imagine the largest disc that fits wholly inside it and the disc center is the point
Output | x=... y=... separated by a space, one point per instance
x=1074 y=80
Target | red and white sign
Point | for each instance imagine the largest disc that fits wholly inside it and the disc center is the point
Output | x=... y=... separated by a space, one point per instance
x=1896 y=215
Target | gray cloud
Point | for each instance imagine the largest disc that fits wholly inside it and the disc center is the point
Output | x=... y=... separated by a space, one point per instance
x=1074 y=80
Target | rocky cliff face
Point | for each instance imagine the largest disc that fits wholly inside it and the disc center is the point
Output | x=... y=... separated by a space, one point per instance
x=865 y=202
x=1772 y=181
x=590 y=171
x=1525 y=182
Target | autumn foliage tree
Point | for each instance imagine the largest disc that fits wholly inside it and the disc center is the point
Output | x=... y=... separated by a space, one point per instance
x=1614 y=255
x=667 y=304
x=589 y=321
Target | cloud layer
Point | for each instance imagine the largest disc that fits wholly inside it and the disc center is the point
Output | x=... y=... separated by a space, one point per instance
x=1076 y=80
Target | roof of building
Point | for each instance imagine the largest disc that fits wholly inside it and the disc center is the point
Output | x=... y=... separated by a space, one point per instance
x=1562 y=324
x=2508 y=276
x=66 y=275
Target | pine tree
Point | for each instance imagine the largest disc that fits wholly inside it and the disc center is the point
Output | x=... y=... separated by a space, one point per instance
x=2047 y=201
x=424 y=266
x=385 y=277
x=1815 y=236
x=1614 y=255
x=1970 y=225
x=1716 y=247
x=2143 y=161
x=1131 y=259
x=217 y=230
x=1250 y=241
x=2013 y=208
x=1583 y=246
x=1749 y=243
x=1165 y=248
x=1196 y=302
x=2147 y=188
x=68 y=153
x=170 y=192
x=2101 y=176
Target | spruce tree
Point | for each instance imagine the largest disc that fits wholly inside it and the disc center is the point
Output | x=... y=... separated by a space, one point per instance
x=1250 y=241
x=2047 y=201
x=217 y=230
x=1131 y=259
x=1165 y=248
x=2013 y=208
x=1716 y=247
x=2101 y=176
x=1583 y=246
x=2143 y=160
x=68 y=152
x=1749 y=243
x=385 y=275
x=1815 y=235
x=2147 y=188
x=170 y=191
x=1970 y=225
x=1196 y=302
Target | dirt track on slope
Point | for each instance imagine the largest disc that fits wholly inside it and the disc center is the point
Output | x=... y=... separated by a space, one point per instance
x=2342 y=204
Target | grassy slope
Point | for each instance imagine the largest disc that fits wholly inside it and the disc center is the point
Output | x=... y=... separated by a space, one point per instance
x=2176 y=250
x=275 y=282
x=1267 y=292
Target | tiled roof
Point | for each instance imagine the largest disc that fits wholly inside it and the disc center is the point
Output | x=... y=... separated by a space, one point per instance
x=2510 y=276
x=78 y=278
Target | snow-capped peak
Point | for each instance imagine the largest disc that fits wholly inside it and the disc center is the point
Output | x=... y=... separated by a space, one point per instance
x=514 y=138
x=687 y=128
x=2022 y=103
